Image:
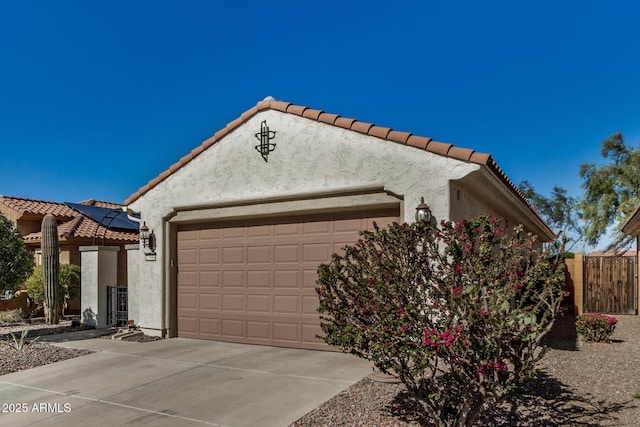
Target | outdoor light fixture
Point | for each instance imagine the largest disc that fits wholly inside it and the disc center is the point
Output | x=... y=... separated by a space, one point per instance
x=145 y=234
x=423 y=213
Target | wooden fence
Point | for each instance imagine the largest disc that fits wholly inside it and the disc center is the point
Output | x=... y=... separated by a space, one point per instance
x=610 y=284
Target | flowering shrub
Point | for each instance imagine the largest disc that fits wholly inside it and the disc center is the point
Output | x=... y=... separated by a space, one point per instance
x=456 y=312
x=595 y=327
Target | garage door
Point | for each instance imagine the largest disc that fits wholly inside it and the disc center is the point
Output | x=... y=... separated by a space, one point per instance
x=254 y=282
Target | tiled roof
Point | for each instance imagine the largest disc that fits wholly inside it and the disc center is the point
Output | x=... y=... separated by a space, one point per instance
x=101 y=204
x=82 y=227
x=38 y=207
x=404 y=138
x=71 y=224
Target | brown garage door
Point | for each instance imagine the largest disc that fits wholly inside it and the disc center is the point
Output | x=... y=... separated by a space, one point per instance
x=254 y=282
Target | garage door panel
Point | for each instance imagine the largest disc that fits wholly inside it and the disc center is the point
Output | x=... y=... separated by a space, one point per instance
x=209 y=301
x=310 y=304
x=348 y=226
x=259 y=304
x=286 y=254
x=188 y=256
x=233 y=278
x=188 y=278
x=188 y=299
x=316 y=252
x=280 y=230
x=317 y=228
x=286 y=279
x=259 y=279
x=209 y=234
x=209 y=256
x=259 y=254
x=310 y=331
x=209 y=279
x=285 y=304
x=260 y=231
x=233 y=233
x=254 y=282
x=286 y=331
x=233 y=255
x=259 y=330
x=233 y=302
x=233 y=328
x=209 y=326
x=188 y=324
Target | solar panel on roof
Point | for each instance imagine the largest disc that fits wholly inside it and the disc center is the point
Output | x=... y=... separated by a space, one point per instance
x=110 y=218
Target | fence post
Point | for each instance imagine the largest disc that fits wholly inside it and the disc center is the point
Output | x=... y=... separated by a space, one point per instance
x=578 y=283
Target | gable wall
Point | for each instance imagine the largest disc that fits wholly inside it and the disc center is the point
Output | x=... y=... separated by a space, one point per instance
x=310 y=158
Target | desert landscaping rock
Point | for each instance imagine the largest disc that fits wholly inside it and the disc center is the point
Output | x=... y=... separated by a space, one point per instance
x=579 y=384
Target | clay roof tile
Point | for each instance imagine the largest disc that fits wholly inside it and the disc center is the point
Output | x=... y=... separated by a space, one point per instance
x=296 y=109
x=441 y=148
x=401 y=137
x=344 y=122
x=362 y=127
x=418 y=141
x=328 y=118
x=280 y=106
x=312 y=114
x=379 y=131
x=460 y=153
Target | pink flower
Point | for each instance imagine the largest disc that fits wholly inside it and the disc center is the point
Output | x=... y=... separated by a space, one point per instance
x=404 y=328
x=456 y=291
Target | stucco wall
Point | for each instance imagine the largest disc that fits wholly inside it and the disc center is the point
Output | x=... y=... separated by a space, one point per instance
x=310 y=157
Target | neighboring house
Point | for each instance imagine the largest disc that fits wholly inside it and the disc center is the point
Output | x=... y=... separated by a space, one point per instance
x=77 y=227
x=242 y=222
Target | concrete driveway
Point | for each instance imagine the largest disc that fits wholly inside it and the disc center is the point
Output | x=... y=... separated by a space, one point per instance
x=176 y=382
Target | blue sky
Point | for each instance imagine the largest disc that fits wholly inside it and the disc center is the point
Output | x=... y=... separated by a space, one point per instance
x=98 y=98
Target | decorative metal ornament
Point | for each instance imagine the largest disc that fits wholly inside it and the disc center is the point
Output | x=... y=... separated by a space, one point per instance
x=264 y=136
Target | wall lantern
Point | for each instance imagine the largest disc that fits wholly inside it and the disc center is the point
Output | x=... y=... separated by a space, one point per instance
x=423 y=213
x=145 y=234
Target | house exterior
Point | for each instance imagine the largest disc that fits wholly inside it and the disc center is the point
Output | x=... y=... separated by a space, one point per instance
x=75 y=229
x=241 y=223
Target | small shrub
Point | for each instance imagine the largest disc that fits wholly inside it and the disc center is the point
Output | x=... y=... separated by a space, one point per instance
x=637 y=395
x=595 y=327
x=11 y=316
x=69 y=281
x=21 y=343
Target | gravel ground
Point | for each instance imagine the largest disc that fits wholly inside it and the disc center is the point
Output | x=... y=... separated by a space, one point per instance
x=580 y=384
x=33 y=353
x=37 y=354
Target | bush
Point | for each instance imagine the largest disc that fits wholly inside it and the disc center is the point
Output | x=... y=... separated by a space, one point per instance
x=69 y=284
x=456 y=312
x=11 y=316
x=16 y=262
x=595 y=327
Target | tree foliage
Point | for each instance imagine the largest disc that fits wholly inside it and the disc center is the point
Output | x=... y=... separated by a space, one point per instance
x=16 y=262
x=611 y=191
x=559 y=210
x=69 y=283
x=456 y=312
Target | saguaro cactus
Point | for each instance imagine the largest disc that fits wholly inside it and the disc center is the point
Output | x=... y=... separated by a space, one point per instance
x=50 y=270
